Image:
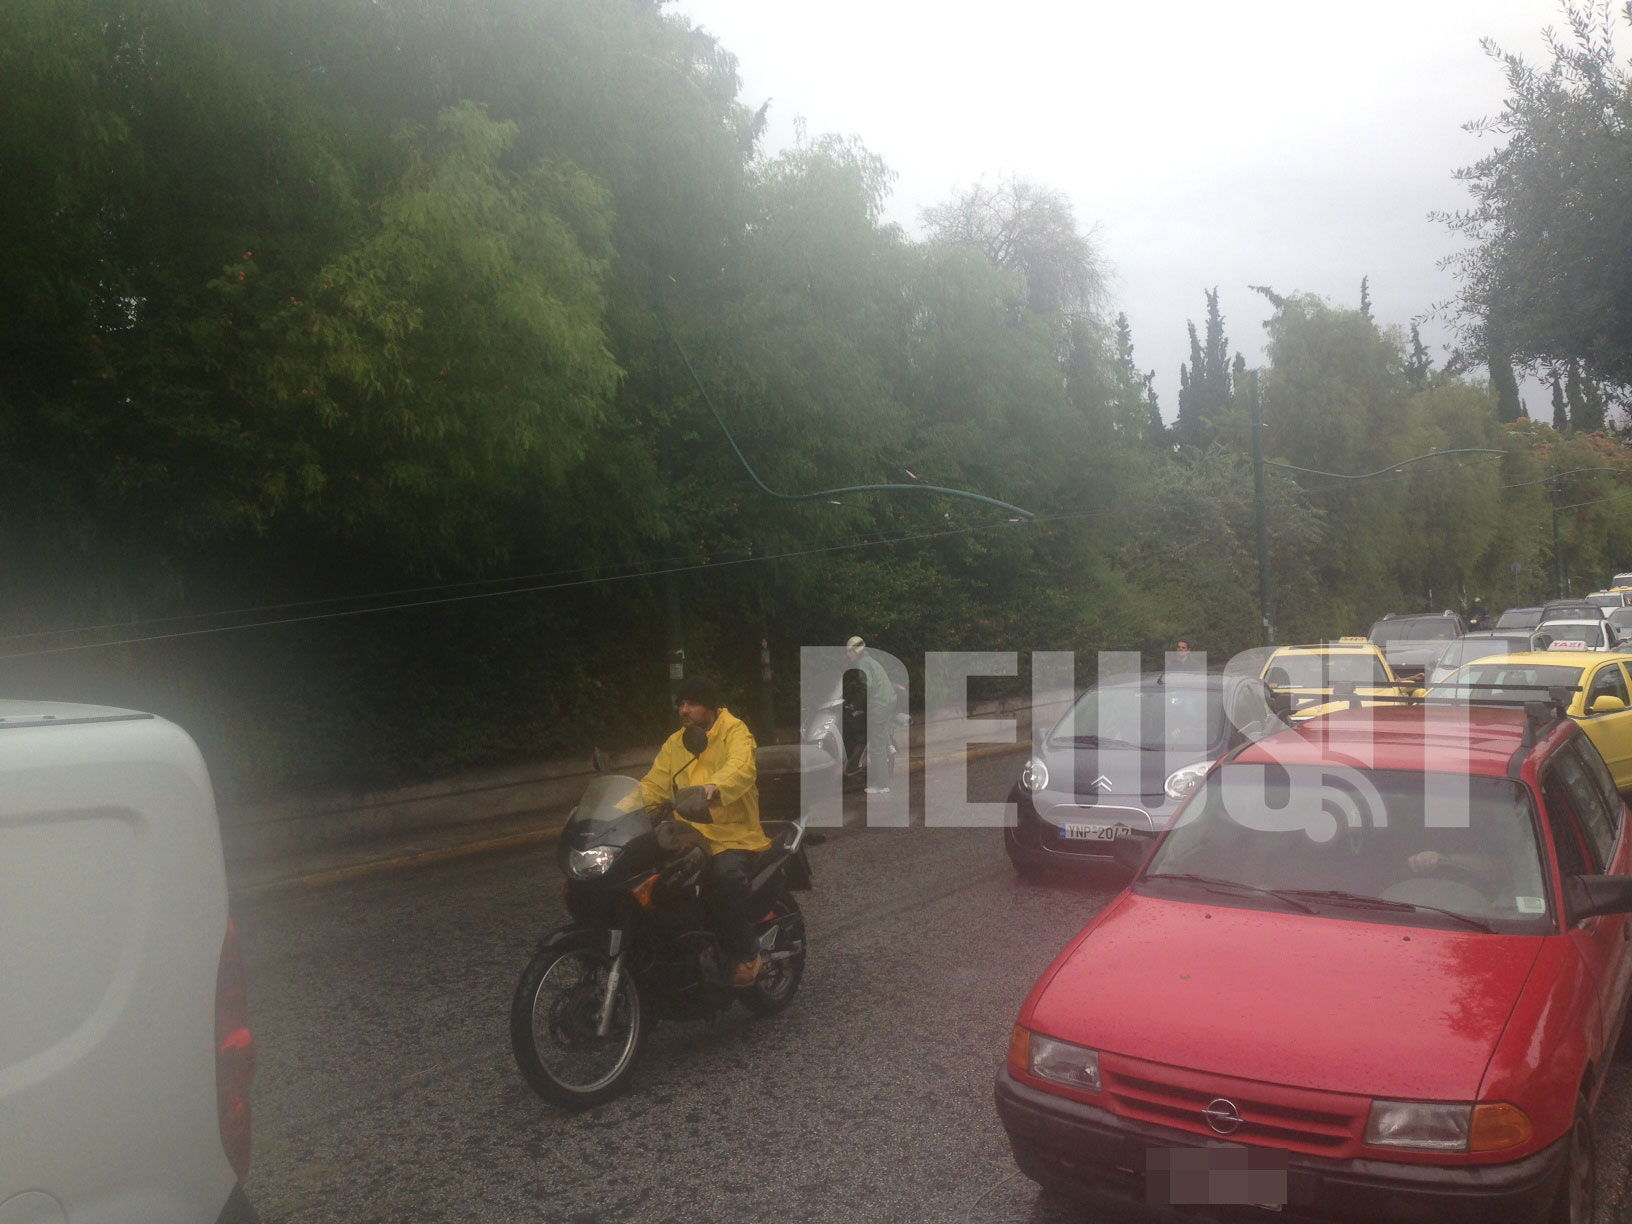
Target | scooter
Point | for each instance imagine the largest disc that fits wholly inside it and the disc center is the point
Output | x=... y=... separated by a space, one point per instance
x=839 y=728
x=640 y=947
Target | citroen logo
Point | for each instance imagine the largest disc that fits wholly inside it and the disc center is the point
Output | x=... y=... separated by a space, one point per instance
x=1102 y=783
x=1222 y=1116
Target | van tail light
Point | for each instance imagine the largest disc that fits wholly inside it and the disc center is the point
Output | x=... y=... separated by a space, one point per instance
x=234 y=1053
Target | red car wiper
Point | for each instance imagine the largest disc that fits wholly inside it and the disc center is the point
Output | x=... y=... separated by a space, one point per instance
x=1361 y=901
x=1217 y=884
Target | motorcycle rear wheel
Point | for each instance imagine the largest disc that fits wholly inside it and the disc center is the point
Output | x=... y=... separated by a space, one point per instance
x=553 y=1028
x=777 y=985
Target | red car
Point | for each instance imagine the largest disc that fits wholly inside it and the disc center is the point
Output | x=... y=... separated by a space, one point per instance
x=1376 y=970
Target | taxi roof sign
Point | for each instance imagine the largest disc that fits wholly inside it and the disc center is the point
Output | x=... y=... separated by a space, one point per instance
x=1562 y=644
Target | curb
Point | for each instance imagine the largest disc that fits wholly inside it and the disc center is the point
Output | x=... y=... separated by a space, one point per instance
x=991 y=750
x=338 y=875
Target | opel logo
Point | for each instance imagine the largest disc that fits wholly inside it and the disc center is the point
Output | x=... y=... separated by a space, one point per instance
x=1222 y=1116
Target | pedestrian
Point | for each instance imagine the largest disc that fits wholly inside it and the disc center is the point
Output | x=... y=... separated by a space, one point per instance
x=881 y=697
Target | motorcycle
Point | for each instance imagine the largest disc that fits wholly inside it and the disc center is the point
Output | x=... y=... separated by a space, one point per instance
x=640 y=947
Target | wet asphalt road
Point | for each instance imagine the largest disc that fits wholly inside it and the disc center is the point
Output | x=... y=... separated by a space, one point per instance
x=387 y=1092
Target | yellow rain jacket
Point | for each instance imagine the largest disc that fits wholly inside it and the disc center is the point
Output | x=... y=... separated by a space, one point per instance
x=727 y=762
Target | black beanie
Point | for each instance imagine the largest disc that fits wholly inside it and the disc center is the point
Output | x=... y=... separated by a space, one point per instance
x=699 y=689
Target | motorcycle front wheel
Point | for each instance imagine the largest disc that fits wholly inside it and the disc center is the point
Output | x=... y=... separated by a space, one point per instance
x=555 y=1027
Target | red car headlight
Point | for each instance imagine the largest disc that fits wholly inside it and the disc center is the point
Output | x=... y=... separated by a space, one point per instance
x=1063 y=1063
x=1424 y=1126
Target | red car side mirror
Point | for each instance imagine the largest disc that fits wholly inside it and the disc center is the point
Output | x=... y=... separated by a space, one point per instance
x=1586 y=896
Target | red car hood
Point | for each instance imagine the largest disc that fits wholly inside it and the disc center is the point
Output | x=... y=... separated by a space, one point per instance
x=1312 y=1001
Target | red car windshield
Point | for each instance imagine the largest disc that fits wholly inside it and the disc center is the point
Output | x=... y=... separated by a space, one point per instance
x=1413 y=848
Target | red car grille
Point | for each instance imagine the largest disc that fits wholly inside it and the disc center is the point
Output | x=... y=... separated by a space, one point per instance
x=1320 y=1123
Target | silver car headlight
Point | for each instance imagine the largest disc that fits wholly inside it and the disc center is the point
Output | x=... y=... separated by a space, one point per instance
x=1419 y=1125
x=1034 y=777
x=1064 y=1063
x=1185 y=779
x=587 y=864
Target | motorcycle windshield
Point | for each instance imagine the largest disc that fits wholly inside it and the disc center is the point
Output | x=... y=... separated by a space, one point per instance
x=611 y=813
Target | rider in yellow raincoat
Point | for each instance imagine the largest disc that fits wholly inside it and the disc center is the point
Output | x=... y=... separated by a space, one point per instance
x=727 y=771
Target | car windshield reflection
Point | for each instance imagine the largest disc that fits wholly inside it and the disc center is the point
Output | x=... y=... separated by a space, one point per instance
x=1171 y=714
x=1434 y=849
x=1497 y=681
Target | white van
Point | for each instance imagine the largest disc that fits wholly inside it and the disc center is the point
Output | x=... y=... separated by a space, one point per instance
x=125 y=1053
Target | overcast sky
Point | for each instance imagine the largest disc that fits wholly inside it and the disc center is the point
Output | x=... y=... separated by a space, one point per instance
x=1291 y=143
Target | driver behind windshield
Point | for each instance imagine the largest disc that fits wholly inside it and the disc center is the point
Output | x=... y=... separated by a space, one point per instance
x=729 y=778
x=1495 y=854
x=1463 y=843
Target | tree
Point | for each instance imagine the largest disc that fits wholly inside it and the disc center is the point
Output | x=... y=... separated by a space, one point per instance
x=1134 y=411
x=1418 y=364
x=1020 y=226
x=1499 y=361
x=1544 y=278
x=1158 y=429
x=1561 y=418
x=1587 y=409
x=1205 y=390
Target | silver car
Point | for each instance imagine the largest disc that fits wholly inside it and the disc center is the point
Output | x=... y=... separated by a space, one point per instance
x=1581 y=634
x=1483 y=645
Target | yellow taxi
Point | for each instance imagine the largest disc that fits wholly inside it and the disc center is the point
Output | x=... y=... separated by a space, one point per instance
x=1308 y=674
x=1595 y=682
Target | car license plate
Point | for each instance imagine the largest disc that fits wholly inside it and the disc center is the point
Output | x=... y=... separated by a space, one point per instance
x=1088 y=832
x=1217 y=1175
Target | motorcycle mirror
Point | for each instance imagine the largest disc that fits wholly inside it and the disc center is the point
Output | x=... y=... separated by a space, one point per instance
x=691 y=803
x=694 y=740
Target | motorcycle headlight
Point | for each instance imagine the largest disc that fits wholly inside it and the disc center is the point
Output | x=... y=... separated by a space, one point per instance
x=587 y=864
x=1034 y=777
x=1185 y=779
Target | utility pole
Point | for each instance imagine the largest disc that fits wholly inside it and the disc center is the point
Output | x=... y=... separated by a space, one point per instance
x=1263 y=526
x=767 y=700
x=671 y=590
x=767 y=696
x=1558 y=553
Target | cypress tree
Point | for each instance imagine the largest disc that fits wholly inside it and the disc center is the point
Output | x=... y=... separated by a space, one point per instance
x=1418 y=364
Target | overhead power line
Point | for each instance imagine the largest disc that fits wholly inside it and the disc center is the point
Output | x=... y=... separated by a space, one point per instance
x=830 y=493
x=467 y=598
x=1525 y=484
x=1467 y=450
x=1596 y=500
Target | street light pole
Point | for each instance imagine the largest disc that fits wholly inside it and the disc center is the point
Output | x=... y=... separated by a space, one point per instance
x=1263 y=526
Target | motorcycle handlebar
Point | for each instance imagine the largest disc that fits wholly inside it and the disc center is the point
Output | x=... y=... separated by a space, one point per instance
x=689 y=803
